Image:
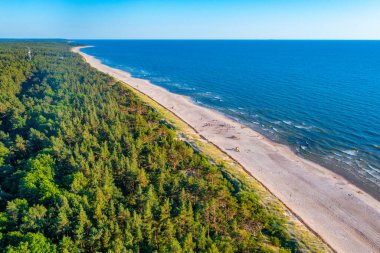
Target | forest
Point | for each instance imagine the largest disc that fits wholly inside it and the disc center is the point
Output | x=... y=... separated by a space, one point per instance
x=85 y=166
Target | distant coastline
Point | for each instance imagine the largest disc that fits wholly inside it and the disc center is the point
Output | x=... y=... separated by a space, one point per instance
x=326 y=202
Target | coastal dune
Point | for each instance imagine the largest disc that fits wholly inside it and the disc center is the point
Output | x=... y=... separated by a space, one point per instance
x=344 y=216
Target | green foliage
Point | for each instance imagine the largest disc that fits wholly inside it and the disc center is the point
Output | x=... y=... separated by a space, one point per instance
x=32 y=243
x=3 y=153
x=38 y=185
x=87 y=167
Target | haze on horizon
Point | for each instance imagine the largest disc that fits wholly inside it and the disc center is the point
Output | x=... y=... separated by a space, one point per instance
x=208 y=19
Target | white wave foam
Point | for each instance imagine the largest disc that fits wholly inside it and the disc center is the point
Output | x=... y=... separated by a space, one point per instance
x=217 y=98
x=162 y=80
x=210 y=95
x=303 y=127
x=180 y=86
x=351 y=152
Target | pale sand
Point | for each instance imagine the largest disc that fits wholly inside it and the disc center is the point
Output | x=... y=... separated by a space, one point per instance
x=340 y=213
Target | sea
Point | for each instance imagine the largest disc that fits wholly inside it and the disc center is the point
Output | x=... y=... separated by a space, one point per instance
x=321 y=98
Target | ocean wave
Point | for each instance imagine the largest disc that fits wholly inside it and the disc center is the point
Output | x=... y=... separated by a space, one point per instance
x=162 y=80
x=219 y=98
x=144 y=72
x=303 y=127
x=209 y=95
x=351 y=152
x=237 y=111
x=369 y=169
x=180 y=86
x=295 y=125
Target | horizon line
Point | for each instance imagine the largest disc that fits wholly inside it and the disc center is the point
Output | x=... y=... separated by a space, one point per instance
x=220 y=39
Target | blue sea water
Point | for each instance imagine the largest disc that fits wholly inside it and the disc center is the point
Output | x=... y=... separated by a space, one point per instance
x=321 y=98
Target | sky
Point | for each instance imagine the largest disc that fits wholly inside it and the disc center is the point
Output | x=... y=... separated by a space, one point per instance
x=185 y=19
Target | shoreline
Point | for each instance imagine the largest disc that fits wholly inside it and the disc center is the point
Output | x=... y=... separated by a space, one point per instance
x=327 y=203
x=364 y=186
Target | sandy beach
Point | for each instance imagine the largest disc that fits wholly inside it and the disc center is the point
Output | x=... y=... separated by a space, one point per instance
x=344 y=216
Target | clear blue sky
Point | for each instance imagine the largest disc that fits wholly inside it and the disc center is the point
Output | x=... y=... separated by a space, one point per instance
x=197 y=19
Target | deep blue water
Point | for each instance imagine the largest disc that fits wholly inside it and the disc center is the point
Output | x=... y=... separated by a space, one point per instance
x=322 y=98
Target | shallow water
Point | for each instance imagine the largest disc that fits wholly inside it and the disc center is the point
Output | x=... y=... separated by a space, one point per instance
x=322 y=98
